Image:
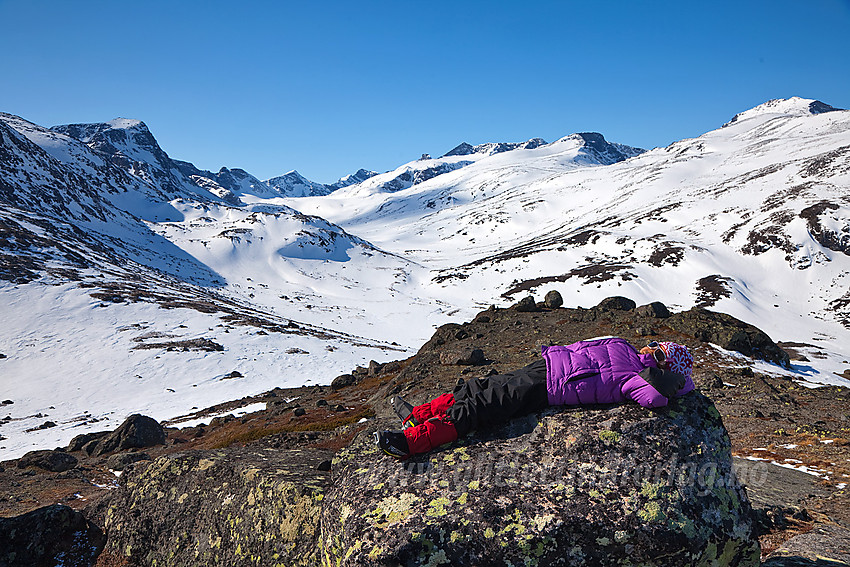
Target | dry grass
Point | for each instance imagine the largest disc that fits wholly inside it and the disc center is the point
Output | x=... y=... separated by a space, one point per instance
x=296 y=425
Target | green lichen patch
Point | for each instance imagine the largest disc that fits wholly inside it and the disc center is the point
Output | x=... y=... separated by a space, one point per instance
x=609 y=437
x=527 y=497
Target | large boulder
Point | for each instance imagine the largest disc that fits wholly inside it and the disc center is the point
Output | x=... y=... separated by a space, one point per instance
x=728 y=332
x=616 y=303
x=137 y=432
x=618 y=485
x=240 y=506
x=655 y=309
x=49 y=536
x=53 y=461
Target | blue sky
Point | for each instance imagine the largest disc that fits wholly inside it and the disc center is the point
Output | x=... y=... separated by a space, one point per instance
x=329 y=87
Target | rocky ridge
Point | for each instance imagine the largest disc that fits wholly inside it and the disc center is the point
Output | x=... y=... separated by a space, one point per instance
x=252 y=455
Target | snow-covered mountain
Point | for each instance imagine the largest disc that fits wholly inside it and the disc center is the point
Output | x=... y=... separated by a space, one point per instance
x=116 y=259
x=589 y=149
x=743 y=217
x=293 y=184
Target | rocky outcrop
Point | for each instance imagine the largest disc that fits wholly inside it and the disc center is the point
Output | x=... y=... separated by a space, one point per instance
x=594 y=485
x=137 y=432
x=54 y=461
x=656 y=309
x=248 y=506
x=602 y=486
x=728 y=332
x=119 y=461
x=50 y=536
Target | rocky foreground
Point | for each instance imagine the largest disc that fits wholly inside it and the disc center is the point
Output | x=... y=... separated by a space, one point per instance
x=301 y=483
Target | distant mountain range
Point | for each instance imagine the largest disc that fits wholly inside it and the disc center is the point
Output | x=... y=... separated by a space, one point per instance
x=107 y=244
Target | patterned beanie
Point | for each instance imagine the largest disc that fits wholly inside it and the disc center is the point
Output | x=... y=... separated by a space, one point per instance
x=678 y=358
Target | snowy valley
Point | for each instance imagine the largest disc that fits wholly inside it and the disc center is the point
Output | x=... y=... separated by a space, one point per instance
x=133 y=282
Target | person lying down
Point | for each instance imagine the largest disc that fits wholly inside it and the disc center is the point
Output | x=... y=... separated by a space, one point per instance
x=597 y=371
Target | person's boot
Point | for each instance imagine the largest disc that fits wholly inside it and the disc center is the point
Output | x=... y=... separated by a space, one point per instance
x=404 y=411
x=393 y=443
x=426 y=436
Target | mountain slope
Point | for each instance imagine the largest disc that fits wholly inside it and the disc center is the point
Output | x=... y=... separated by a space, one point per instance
x=743 y=218
x=111 y=242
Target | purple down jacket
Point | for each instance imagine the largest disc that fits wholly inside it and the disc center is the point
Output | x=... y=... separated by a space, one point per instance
x=601 y=371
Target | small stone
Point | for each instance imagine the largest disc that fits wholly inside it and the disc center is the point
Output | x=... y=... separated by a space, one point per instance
x=375 y=368
x=339 y=407
x=342 y=381
x=324 y=465
x=7 y=402
x=46 y=425
x=553 y=299
x=714 y=381
x=299 y=412
x=525 y=305
x=472 y=357
x=221 y=420
x=321 y=403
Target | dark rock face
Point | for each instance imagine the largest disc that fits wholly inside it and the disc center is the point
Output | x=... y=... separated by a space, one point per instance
x=236 y=507
x=729 y=333
x=655 y=309
x=53 y=461
x=596 y=486
x=137 y=432
x=838 y=241
x=602 y=151
x=49 y=536
x=80 y=441
x=617 y=303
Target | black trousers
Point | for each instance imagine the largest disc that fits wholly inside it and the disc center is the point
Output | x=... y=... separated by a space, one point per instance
x=487 y=402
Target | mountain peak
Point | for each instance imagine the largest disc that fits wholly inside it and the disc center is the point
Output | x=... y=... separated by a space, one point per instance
x=599 y=150
x=293 y=184
x=127 y=124
x=794 y=106
x=465 y=149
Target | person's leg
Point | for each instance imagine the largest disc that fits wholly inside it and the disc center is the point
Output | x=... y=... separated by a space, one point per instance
x=435 y=408
x=478 y=403
x=487 y=402
x=427 y=436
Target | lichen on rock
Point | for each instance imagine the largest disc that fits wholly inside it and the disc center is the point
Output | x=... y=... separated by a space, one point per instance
x=633 y=486
x=240 y=506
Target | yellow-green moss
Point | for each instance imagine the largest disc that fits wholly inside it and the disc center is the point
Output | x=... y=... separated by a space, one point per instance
x=609 y=437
